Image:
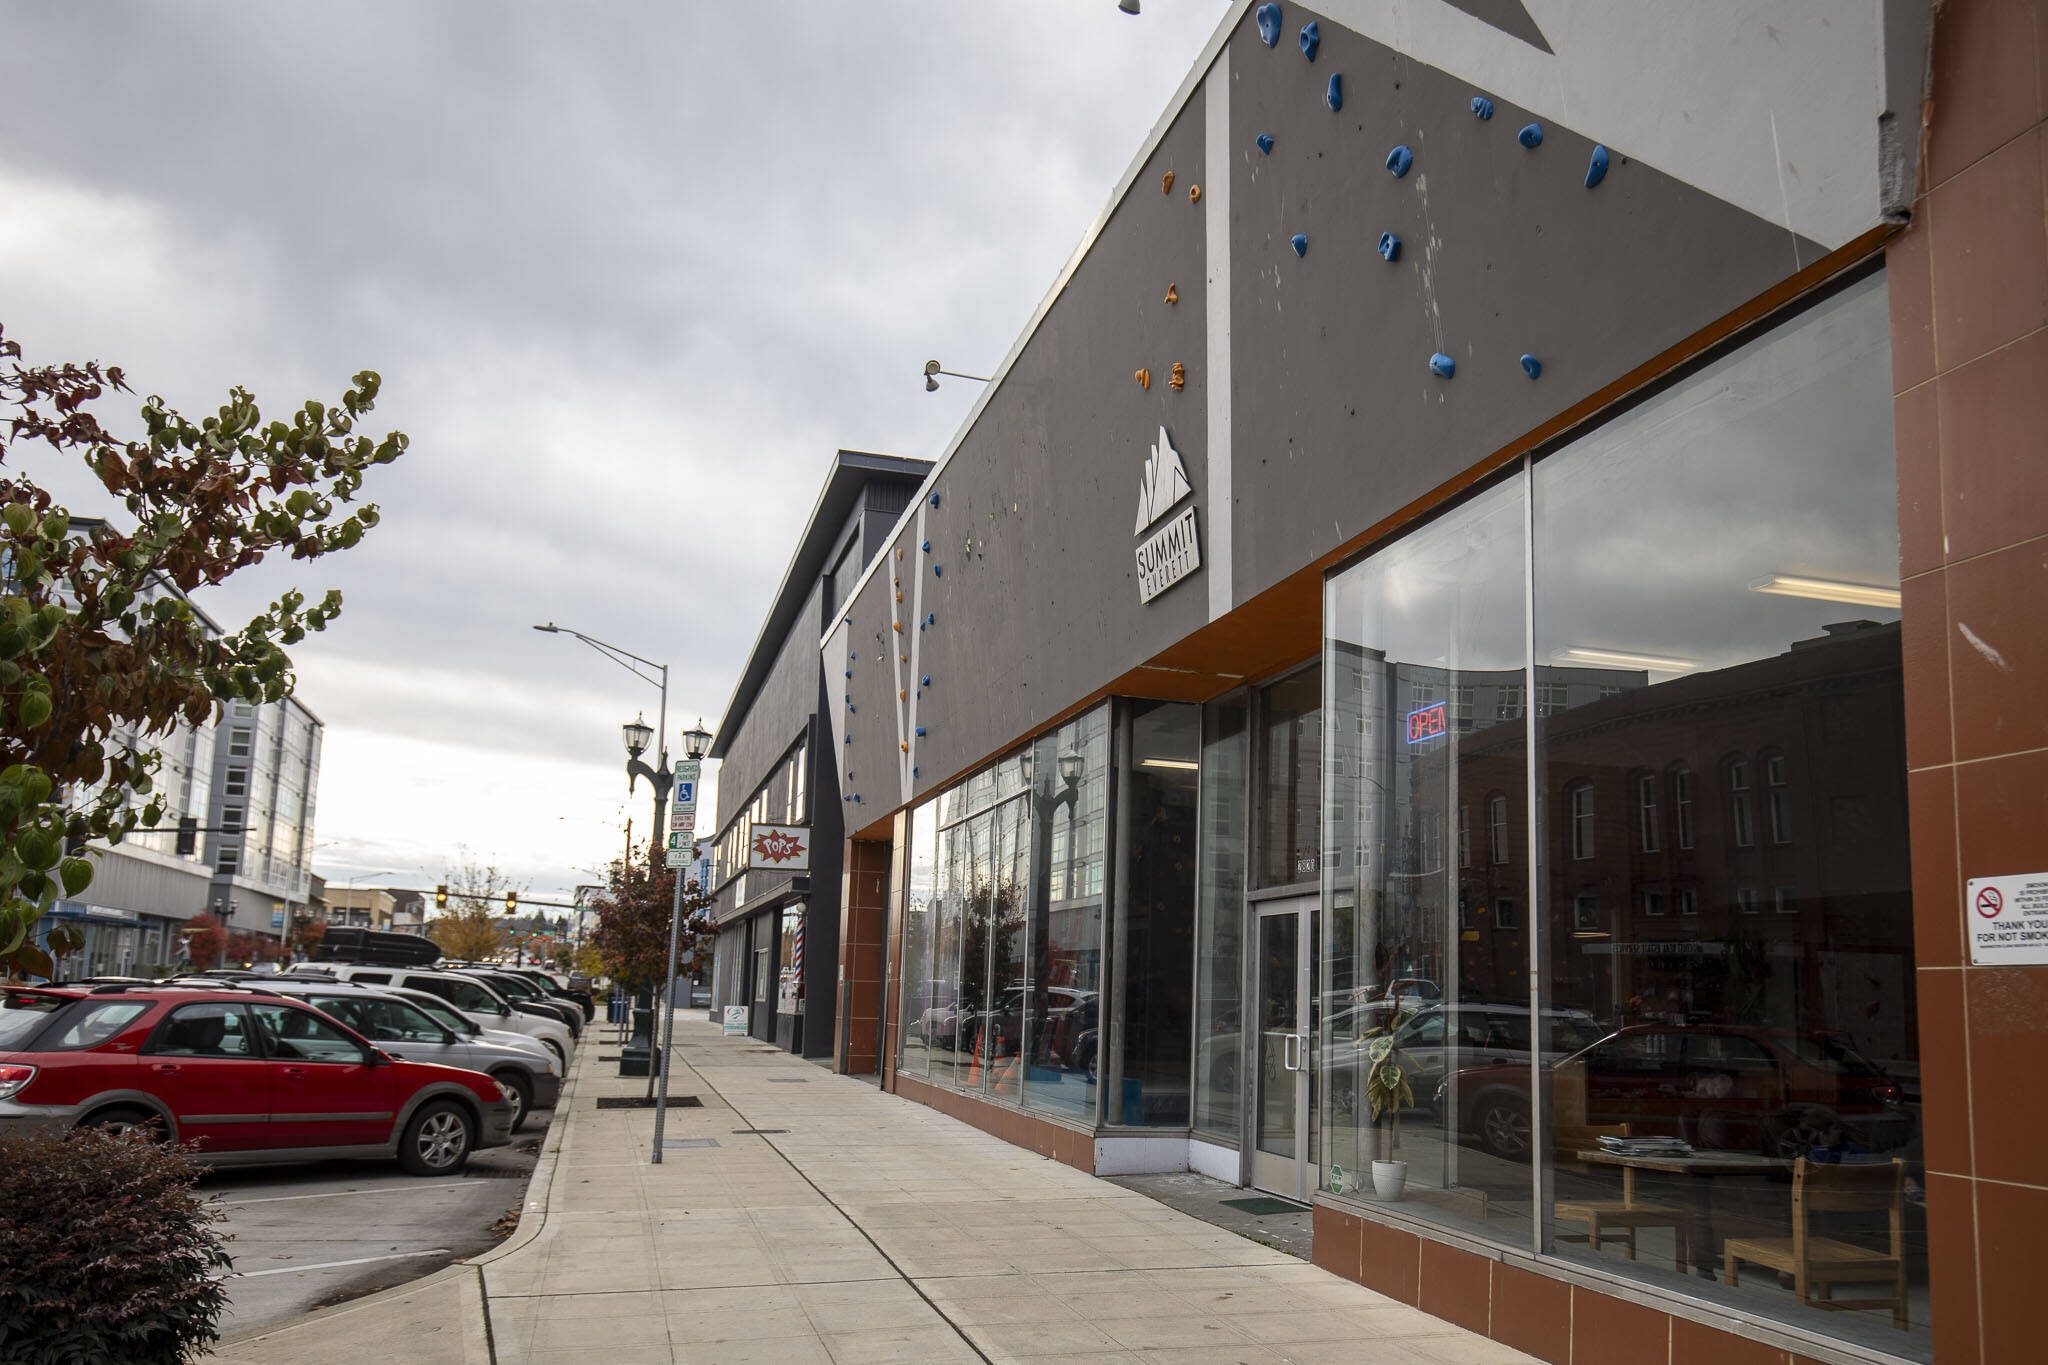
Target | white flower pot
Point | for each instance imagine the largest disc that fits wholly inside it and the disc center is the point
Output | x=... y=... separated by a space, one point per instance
x=1389 y=1179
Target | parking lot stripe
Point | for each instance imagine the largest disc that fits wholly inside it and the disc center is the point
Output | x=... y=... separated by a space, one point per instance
x=332 y=1265
x=338 y=1194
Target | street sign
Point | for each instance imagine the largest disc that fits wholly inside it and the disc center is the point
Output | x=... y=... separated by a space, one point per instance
x=683 y=810
x=680 y=847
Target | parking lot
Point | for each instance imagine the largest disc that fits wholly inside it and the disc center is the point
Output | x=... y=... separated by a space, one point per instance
x=303 y=1237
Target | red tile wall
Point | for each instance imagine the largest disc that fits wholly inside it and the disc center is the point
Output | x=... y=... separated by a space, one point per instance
x=863 y=920
x=1968 y=281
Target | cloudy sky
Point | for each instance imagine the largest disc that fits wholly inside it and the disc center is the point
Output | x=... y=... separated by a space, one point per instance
x=631 y=272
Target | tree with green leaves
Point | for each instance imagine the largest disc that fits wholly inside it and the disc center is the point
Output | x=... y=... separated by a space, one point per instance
x=101 y=651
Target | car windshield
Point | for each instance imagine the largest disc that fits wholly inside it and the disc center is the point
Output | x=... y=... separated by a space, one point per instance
x=517 y=987
x=22 y=1015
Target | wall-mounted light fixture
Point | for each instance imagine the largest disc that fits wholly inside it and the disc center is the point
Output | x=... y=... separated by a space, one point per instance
x=932 y=373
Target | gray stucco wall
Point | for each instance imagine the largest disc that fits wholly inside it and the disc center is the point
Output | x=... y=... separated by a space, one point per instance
x=1334 y=419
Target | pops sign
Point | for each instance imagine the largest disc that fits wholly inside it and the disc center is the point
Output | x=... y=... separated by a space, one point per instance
x=779 y=848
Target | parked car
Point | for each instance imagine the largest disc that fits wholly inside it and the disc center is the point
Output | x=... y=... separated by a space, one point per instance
x=471 y=995
x=1720 y=1086
x=246 y=1076
x=556 y=988
x=525 y=995
x=400 y=1027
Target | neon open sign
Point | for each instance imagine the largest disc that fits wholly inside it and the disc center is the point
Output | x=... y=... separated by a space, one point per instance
x=1427 y=722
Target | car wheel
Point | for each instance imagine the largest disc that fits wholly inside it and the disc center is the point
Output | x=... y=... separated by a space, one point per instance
x=437 y=1139
x=1503 y=1125
x=561 y=1057
x=522 y=1094
x=127 y=1122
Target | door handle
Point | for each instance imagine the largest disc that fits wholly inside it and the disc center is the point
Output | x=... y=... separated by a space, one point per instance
x=165 y=1068
x=294 y=1071
x=1290 y=1052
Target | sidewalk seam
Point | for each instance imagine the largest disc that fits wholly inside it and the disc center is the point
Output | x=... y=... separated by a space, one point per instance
x=851 y=1221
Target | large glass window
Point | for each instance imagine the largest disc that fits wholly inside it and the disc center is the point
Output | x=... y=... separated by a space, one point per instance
x=1219 y=949
x=1421 y=954
x=1155 y=929
x=1290 y=756
x=1002 y=976
x=1716 y=1090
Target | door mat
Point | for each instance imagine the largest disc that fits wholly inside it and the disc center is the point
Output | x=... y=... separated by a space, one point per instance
x=647 y=1102
x=1265 y=1205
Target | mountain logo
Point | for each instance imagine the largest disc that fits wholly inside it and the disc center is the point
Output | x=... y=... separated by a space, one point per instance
x=1165 y=483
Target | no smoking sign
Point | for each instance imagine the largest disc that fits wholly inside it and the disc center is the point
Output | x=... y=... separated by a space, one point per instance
x=2008 y=918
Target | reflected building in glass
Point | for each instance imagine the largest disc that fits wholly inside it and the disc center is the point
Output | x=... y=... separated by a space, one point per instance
x=1520 y=809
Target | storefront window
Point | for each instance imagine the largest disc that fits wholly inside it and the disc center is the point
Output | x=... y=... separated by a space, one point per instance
x=920 y=993
x=1290 y=755
x=1716 y=1090
x=1422 y=952
x=1219 y=947
x=1069 y=786
x=1724 y=560
x=789 y=982
x=1002 y=948
x=1155 y=930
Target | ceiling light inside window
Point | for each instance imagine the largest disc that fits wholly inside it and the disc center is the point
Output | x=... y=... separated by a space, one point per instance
x=1827 y=590
x=1612 y=658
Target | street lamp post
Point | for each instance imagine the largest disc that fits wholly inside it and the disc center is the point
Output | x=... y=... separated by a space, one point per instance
x=695 y=742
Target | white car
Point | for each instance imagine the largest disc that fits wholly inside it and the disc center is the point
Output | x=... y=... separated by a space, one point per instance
x=472 y=998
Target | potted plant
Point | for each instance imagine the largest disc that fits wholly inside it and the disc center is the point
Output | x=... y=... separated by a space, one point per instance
x=1388 y=1092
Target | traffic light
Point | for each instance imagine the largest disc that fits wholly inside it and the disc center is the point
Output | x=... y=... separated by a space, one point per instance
x=188 y=836
x=441 y=896
x=511 y=902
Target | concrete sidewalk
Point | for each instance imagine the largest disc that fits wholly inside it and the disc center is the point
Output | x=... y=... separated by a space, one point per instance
x=815 y=1219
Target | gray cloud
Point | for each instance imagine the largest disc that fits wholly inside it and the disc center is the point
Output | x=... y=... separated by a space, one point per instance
x=631 y=272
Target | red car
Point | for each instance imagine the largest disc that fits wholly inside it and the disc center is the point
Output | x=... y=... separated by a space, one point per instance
x=1722 y=1086
x=244 y=1075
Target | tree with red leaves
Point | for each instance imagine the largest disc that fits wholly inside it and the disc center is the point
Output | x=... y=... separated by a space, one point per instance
x=101 y=650
x=632 y=926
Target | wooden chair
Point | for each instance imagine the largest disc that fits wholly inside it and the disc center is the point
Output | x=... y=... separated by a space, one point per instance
x=1619 y=1217
x=1818 y=1264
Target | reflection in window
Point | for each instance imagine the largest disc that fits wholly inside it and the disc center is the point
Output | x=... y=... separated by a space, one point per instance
x=1497 y=827
x=1780 y=797
x=1742 y=809
x=1681 y=804
x=1582 y=821
x=1154 y=933
x=1646 y=811
x=1219 y=950
x=1290 y=758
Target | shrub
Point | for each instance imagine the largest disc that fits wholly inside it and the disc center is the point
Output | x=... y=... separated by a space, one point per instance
x=106 y=1252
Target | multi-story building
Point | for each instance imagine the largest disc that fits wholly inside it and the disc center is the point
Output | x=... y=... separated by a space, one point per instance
x=1586 y=479
x=778 y=939
x=266 y=773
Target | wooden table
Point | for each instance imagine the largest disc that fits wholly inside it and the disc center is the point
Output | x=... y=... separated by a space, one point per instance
x=1704 y=1167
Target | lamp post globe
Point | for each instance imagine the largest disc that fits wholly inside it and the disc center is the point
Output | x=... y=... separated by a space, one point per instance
x=696 y=740
x=638 y=735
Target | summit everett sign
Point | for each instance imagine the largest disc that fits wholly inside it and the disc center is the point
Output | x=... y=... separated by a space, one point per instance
x=1174 y=550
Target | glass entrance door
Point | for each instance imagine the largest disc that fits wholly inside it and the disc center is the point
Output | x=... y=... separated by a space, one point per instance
x=1283 y=1069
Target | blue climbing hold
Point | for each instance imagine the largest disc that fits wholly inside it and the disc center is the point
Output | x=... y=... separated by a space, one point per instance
x=1390 y=246
x=850 y=708
x=920 y=627
x=1334 y=96
x=930 y=619
x=1482 y=108
x=914 y=771
x=935 y=499
x=1532 y=367
x=1531 y=136
x=856 y=798
x=935 y=572
x=925 y=681
x=1301 y=244
x=1442 y=366
x=1311 y=39
x=1596 y=169
x=1399 y=160
x=849 y=739
x=849 y=672
x=927 y=547
x=1268 y=16
x=1265 y=141
x=920 y=732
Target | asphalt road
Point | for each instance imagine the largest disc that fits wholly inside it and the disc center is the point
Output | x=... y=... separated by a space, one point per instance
x=303 y=1237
